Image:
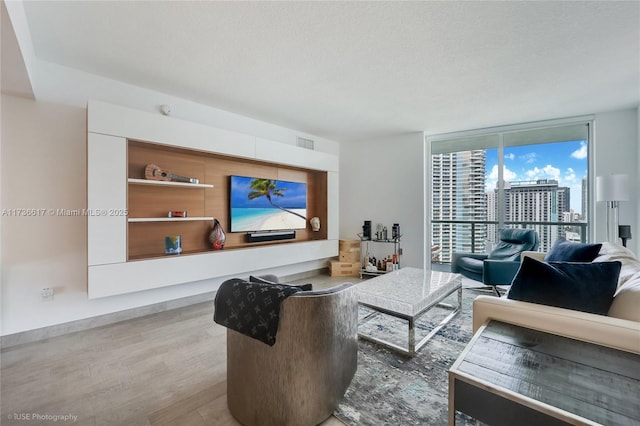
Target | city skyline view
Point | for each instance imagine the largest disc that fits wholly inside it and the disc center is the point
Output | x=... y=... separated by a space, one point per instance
x=565 y=162
x=543 y=183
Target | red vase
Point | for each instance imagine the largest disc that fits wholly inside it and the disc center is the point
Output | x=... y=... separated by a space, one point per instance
x=217 y=236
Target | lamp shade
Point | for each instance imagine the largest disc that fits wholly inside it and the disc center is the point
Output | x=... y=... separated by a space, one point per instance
x=612 y=188
x=624 y=231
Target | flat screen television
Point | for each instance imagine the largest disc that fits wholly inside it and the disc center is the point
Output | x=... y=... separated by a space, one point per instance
x=267 y=204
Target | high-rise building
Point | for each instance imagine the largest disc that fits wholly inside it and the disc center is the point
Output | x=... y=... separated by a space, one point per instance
x=492 y=216
x=459 y=194
x=585 y=198
x=541 y=200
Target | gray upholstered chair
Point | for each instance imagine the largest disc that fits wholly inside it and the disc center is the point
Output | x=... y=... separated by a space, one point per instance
x=501 y=265
x=301 y=378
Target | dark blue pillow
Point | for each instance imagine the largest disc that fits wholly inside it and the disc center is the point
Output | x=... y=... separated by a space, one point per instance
x=587 y=287
x=566 y=251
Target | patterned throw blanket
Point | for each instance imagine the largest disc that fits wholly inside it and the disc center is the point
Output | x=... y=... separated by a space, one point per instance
x=252 y=309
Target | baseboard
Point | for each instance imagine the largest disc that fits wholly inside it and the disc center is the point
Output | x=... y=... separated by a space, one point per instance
x=43 y=333
x=305 y=274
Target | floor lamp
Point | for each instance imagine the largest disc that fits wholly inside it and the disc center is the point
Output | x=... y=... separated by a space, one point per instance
x=612 y=189
x=624 y=231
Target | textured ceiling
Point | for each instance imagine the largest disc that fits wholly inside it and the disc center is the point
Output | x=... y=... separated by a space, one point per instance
x=353 y=70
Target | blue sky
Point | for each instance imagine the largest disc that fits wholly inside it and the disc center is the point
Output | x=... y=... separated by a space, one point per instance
x=565 y=162
x=295 y=194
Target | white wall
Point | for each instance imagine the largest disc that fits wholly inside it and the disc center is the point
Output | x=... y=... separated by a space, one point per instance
x=383 y=181
x=617 y=151
x=43 y=166
x=69 y=86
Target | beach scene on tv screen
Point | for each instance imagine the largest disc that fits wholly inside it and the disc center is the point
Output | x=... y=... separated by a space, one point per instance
x=267 y=204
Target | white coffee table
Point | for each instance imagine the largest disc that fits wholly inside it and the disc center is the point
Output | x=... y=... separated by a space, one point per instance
x=408 y=293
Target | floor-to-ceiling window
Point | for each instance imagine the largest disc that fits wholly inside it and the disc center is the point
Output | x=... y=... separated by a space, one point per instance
x=459 y=207
x=515 y=176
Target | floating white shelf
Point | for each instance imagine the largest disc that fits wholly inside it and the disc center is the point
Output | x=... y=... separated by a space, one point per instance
x=168 y=183
x=167 y=219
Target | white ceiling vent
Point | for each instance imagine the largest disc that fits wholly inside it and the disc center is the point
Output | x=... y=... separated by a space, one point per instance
x=304 y=143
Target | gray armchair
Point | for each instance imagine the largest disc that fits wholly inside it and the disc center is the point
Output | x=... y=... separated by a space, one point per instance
x=301 y=378
x=501 y=265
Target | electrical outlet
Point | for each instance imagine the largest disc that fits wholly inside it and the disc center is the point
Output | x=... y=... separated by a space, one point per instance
x=47 y=293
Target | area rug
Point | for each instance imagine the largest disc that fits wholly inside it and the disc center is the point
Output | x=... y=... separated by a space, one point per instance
x=392 y=389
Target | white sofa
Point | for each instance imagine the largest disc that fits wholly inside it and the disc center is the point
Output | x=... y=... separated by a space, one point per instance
x=620 y=329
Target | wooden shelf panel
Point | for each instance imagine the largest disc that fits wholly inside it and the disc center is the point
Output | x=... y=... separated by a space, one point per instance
x=157 y=201
x=147 y=256
x=167 y=219
x=176 y=161
x=149 y=201
x=168 y=183
x=146 y=239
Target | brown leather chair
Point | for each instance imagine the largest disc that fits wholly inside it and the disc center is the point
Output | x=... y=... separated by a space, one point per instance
x=301 y=378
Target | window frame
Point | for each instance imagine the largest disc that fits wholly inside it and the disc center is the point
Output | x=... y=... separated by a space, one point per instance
x=500 y=131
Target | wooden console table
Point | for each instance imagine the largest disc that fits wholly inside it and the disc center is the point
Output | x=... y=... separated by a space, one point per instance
x=513 y=375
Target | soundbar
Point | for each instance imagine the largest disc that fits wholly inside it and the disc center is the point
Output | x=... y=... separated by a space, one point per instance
x=257 y=237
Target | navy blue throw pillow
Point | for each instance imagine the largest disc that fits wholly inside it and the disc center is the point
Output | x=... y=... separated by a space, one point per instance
x=587 y=287
x=566 y=251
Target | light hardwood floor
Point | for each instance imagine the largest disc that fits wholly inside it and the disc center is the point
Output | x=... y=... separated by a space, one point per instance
x=167 y=368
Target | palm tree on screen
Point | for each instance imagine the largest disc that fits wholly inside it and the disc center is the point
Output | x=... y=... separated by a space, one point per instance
x=268 y=188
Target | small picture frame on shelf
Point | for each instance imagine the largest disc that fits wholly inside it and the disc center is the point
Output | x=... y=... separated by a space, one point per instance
x=173 y=244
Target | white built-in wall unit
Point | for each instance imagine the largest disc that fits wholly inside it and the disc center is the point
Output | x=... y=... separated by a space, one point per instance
x=123 y=254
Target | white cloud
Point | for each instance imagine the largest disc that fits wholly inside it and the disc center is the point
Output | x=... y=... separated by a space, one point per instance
x=509 y=176
x=529 y=158
x=492 y=178
x=494 y=173
x=569 y=177
x=511 y=156
x=547 y=172
x=580 y=153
